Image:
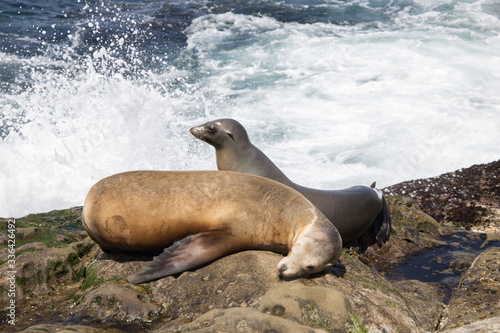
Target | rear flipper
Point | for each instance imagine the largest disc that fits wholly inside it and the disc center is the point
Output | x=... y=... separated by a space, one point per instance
x=382 y=224
x=189 y=252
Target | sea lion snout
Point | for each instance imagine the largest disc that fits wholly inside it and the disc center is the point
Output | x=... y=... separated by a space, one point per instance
x=208 y=133
x=287 y=268
x=197 y=132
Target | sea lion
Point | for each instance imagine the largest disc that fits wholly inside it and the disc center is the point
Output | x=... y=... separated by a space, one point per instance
x=195 y=217
x=353 y=210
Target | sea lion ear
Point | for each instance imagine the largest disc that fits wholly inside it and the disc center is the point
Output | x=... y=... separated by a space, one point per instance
x=230 y=135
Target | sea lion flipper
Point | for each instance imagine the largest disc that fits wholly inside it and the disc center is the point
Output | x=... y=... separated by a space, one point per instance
x=382 y=224
x=188 y=252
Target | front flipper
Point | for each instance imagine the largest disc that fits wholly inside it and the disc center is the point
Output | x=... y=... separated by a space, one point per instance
x=189 y=252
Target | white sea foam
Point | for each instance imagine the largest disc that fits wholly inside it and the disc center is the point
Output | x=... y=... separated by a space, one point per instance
x=332 y=105
x=80 y=129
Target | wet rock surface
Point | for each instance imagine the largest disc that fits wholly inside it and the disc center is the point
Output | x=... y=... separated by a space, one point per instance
x=477 y=295
x=469 y=197
x=434 y=274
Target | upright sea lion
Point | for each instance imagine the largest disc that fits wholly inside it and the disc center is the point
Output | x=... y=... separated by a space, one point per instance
x=195 y=217
x=353 y=210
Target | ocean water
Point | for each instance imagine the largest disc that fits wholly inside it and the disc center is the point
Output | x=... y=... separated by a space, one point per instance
x=337 y=93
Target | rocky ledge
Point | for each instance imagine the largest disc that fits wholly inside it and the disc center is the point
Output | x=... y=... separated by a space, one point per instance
x=439 y=272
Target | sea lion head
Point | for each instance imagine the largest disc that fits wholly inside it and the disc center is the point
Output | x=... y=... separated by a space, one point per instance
x=312 y=252
x=221 y=133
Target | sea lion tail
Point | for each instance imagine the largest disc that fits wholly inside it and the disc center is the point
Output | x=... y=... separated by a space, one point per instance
x=382 y=224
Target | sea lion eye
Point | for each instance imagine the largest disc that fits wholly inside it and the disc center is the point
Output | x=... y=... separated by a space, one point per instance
x=310 y=268
x=211 y=128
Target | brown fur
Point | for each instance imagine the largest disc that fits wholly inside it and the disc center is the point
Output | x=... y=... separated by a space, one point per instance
x=199 y=216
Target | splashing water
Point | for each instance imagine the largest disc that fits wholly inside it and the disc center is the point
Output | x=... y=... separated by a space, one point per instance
x=336 y=93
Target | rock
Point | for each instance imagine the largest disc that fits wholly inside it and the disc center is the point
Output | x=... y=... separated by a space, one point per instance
x=240 y=320
x=325 y=307
x=248 y=280
x=237 y=280
x=412 y=231
x=117 y=302
x=469 y=197
x=425 y=300
x=46 y=269
x=477 y=296
x=64 y=329
x=31 y=247
x=482 y=326
x=26 y=232
x=4 y=239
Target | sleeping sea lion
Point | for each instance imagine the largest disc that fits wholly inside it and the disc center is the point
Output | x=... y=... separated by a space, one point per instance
x=195 y=217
